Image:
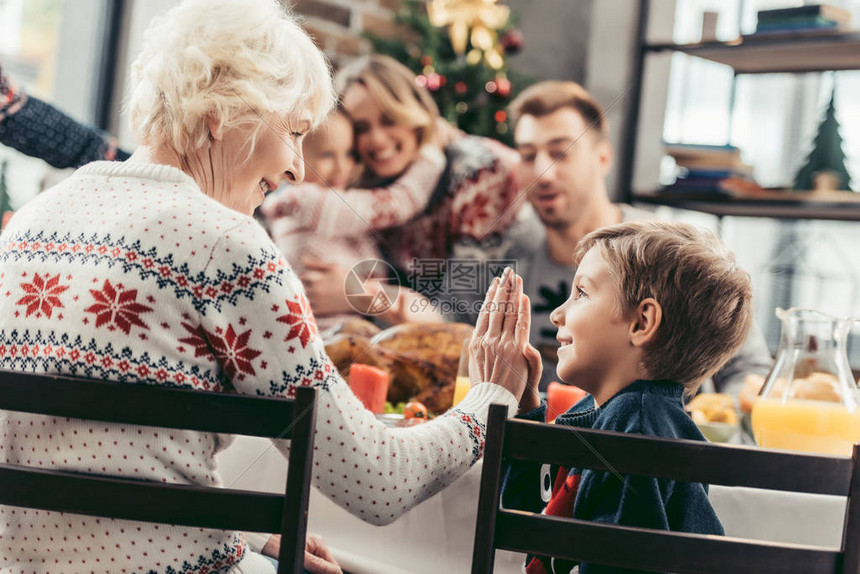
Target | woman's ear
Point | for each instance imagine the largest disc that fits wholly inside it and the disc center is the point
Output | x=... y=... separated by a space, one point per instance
x=216 y=127
x=646 y=321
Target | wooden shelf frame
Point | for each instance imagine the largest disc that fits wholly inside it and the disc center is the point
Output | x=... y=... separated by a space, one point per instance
x=794 y=52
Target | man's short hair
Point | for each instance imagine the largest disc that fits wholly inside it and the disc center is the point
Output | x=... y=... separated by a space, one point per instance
x=545 y=98
x=705 y=297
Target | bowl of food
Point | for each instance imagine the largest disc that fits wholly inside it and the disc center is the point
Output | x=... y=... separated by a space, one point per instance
x=404 y=414
x=718 y=432
x=715 y=415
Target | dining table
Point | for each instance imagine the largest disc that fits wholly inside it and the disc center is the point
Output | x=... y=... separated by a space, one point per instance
x=437 y=535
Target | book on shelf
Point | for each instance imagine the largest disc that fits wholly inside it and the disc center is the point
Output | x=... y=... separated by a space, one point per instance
x=826 y=11
x=701 y=152
x=715 y=173
x=717 y=163
x=797 y=24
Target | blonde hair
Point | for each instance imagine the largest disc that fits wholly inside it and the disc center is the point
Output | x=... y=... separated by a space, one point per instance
x=545 y=98
x=233 y=61
x=705 y=297
x=392 y=85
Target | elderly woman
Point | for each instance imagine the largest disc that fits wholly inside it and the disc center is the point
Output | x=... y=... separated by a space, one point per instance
x=153 y=271
x=474 y=202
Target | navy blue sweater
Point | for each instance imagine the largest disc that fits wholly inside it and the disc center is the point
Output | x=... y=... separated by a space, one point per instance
x=644 y=407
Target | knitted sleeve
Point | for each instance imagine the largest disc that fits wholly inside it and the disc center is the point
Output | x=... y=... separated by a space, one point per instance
x=355 y=211
x=483 y=182
x=259 y=325
x=39 y=130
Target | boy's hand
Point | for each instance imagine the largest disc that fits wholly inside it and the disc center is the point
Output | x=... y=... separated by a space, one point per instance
x=531 y=398
x=497 y=348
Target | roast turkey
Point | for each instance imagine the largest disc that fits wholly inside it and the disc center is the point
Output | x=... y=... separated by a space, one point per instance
x=421 y=359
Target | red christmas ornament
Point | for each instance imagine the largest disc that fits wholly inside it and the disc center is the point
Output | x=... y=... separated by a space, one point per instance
x=460 y=87
x=512 y=41
x=503 y=87
x=434 y=81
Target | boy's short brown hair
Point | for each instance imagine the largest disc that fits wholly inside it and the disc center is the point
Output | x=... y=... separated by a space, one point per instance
x=547 y=97
x=705 y=297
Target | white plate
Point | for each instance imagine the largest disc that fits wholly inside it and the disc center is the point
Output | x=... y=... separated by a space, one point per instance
x=390 y=420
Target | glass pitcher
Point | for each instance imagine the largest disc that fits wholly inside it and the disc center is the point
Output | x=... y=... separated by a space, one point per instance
x=809 y=400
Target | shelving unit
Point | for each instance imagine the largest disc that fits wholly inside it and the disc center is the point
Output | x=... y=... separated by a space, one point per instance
x=784 y=207
x=755 y=54
x=777 y=53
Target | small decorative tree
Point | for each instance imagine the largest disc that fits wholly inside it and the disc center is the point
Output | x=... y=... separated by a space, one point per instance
x=826 y=155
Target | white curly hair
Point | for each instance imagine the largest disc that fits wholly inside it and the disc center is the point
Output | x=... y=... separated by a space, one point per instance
x=234 y=61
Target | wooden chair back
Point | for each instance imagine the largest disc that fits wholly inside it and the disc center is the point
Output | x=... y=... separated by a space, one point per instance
x=176 y=504
x=647 y=549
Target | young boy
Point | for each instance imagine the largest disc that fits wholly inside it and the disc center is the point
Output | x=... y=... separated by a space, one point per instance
x=321 y=220
x=655 y=309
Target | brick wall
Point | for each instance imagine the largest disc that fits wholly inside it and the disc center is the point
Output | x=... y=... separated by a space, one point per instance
x=336 y=25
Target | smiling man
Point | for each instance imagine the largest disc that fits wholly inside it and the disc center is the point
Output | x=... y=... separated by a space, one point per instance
x=561 y=135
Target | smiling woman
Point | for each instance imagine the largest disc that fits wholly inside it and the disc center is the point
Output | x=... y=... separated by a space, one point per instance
x=232 y=111
x=470 y=207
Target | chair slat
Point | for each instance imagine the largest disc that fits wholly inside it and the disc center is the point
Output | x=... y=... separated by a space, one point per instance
x=483 y=552
x=851 y=525
x=654 y=550
x=291 y=558
x=147 y=405
x=184 y=505
x=670 y=458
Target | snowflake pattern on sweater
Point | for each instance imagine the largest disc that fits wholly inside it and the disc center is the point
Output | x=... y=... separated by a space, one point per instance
x=128 y=272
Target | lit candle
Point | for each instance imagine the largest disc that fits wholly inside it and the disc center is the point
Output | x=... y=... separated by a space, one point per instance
x=370 y=385
x=559 y=399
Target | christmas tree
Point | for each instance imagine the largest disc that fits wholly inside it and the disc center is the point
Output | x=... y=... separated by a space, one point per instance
x=826 y=155
x=467 y=74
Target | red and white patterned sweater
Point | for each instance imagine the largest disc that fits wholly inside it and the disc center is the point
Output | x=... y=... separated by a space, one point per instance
x=338 y=226
x=127 y=272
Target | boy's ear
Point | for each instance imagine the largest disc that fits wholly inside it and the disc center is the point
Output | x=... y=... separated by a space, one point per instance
x=647 y=318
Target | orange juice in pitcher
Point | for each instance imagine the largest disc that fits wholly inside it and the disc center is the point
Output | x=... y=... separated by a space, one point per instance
x=809 y=399
x=811 y=426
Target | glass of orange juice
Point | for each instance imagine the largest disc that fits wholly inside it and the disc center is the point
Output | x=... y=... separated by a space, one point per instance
x=462 y=384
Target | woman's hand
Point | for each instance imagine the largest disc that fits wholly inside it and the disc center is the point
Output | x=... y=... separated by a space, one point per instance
x=318 y=560
x=497 y=351
x=446 y=134
x=324 y=285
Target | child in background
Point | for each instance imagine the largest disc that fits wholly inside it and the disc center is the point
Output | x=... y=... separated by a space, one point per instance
x=322 y=221
x=655 y=309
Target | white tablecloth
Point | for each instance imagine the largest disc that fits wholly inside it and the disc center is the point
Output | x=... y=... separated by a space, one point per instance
x=437 y=535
